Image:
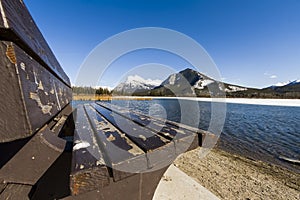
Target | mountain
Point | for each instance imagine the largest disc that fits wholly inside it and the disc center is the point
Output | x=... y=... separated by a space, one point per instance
x=136 y=85
x=289 y=83
x=189 y=82
x=290 y=89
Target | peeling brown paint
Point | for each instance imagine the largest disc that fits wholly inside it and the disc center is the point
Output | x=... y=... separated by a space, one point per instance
x=11 y=55
x=111 y=138
x=23 y=66
x=143 y=137
x=52 y=91
x=44 y=108
x=104 y=126
x=134 y=150
x=40 y=85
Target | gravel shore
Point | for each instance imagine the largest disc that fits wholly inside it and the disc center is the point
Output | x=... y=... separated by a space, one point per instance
x=230 y=176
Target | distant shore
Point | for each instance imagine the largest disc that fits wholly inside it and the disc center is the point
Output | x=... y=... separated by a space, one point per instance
x=270 y=102
x=230 y=176
x=107 y=98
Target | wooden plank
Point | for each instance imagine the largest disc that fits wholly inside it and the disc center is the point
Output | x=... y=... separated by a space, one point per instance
x=126 y=189
x=144 y=138
x=55 y=182
x=125 y=158
x=35 y=94
x=184 y=137
x=89 y=170
x=16 y=191
x=13 y=121
x=159 y=157
x=33 y=160
x=2 y=187
x=57 y=124
x=141 y=119
x=140 y=186
x=1 y=20
x=167 y=128
x=17 y=25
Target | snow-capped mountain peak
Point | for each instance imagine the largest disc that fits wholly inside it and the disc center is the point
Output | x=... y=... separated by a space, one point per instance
x=281 y=84
x=135 y=83
x=138 y=79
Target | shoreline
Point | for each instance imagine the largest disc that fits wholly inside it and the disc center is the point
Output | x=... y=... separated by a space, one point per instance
x=231 y=176
x=268 y=102
x=251 y=101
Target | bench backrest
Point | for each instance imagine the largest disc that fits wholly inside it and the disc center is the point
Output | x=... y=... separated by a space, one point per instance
x=34 y=87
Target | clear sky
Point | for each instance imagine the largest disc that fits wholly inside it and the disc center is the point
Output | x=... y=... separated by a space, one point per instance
x=254 y=43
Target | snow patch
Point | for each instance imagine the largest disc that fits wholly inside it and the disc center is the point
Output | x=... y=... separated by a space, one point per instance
x=235 y=89
x=172 y=79
x=81 y=145
x=281 y=84
x=202 y=83
x=286 y=83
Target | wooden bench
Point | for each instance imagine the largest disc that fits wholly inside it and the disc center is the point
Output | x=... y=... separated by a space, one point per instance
x=117 y=149
x=49 y=151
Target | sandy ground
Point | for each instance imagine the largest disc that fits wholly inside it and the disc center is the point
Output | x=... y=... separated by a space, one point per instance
x=233 y=177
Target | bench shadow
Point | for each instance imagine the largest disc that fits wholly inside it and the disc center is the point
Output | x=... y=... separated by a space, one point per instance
x=55 y=182
x=10 y=149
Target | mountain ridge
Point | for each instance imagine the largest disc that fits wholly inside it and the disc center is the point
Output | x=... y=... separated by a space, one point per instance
x=189 y=82
x=135 y=84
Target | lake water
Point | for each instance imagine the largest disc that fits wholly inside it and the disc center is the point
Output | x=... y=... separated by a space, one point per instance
x=255 y=131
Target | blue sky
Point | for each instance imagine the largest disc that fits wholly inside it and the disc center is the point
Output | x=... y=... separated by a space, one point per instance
x=254 y=43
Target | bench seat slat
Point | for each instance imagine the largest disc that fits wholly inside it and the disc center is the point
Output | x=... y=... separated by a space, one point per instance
x=125 y=157
x=89 y=171
x=159 y=157
x=184 y=137
x=158 y=125
x=16 y=191
x=112 y=138
x=144 y=138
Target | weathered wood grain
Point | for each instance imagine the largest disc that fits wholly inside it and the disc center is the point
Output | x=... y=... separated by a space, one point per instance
x=13 y=121
x=1 y=21
x=117 y=142
x=16 y=191
x=125 y=158
x=55 y=182
x=144 y=138
x=33 y=160
x=89 y=171
x=141 y=119
x=31 y=94
x=184 y=137
x=140 y=186
x=17 y=25
x=157 y=158
x=2 y=186
x=170 y=129
x=57 y=124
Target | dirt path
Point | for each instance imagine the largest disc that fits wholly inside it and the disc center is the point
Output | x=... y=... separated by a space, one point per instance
x=233 y=177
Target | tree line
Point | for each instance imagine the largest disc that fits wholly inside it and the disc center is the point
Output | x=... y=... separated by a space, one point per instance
x=90 y=91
